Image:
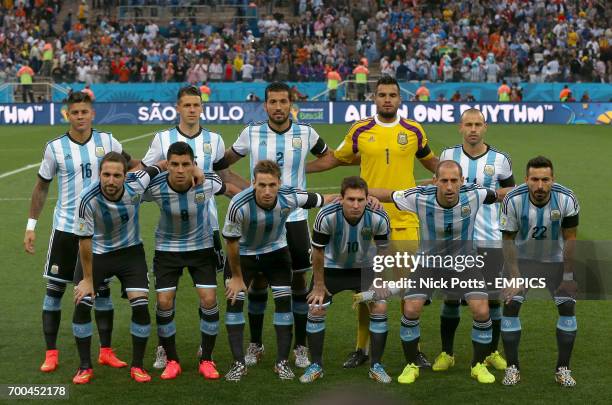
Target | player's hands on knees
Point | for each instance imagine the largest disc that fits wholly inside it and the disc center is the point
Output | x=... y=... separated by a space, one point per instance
x=508 y=293
x=381 y=293
x=317 y=296
x=28 y=241
x=82 y=290
x=374 y=203
x=233 y=287
x=567 y=288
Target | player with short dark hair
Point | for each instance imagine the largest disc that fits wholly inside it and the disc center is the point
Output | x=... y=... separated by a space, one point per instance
x=484 y=165
x=447 y=212
x=184 y=238
x=539 y=222
x=256 y=241
x=110 y=245
x=208 y=149
x=343 y=241
x=74 y=158
x=288 y=143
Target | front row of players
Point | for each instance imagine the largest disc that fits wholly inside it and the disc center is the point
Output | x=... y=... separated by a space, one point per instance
x=344 y=233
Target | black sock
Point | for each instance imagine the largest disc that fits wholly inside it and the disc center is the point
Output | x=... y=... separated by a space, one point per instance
x=495 y=314
x=234 y=323
x=140 y=329
x=410 y=333
x=511 y=332
x=52 y=312
x=378 y=337
x=209 y=328
x=82 y=328
x=481 y=340
x=166 y=332
x=300 y=318
x=566 y=335
x=315 y=329
x=283 y=321
x=258 y=299
x=449 y=321
x=104 y=312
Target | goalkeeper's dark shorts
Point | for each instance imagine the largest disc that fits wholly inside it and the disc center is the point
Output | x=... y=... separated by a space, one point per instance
x=168 y=268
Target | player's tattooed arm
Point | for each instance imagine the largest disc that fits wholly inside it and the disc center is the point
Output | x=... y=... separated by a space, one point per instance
x=37 y=203
x=231 y=156
x=232 y=179
x=510 y=263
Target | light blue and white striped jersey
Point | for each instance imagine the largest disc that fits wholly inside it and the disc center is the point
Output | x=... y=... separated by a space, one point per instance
x=76 y=167
x=113 y=224
x=263 y=230
x=349 y=246
x=184 y=222
x=289 y=149
x=439 y=223
x=533 y=223
x=491 y=170
x=208 y=149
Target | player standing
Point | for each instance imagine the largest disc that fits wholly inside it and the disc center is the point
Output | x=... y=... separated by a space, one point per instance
x=539 y=223
x=74 y=158
x=256 y=242
x=110 y=245
x=344 y=235
x=287 y=143
x=184 y=238
x=492 y=169
x=447 y=212
x=387 y=145
x=208 y=148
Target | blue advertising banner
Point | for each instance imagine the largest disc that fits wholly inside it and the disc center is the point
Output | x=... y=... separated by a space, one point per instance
x=36 y=114
x=317 y=113
x=214 y=113
x=495 y=113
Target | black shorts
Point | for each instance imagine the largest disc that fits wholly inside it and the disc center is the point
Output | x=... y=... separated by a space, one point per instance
x=550 y=274
x=61 y=256
x=338 y=280
x=455 y=285
x=298 y=240
x=168 y=268
x=492 y=271
x=129 y=265
x=274 y=266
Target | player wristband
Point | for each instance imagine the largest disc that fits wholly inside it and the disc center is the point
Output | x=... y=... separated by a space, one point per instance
x=568 y=276
x=31 y=224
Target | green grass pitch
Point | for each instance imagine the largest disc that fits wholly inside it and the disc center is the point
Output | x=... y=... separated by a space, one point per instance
x=581 y=155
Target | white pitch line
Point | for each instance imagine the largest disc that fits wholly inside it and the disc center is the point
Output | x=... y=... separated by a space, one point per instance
x=33 y=165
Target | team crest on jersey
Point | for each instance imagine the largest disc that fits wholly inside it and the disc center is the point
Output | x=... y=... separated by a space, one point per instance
x=402 y=138
x=366 y=233
x=555 y=215
x=135 y=199
x=81 y=226
x=55 y=269
x=489 y=170
x=503 y=220
x=296 y=142
x=199 y=198
x=207 y=148
x=465 y=211
x=100 y=151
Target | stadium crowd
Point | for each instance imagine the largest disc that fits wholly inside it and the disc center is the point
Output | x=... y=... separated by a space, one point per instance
x=476 y=41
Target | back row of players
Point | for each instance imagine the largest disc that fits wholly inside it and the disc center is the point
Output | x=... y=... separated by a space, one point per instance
x=97 y=215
